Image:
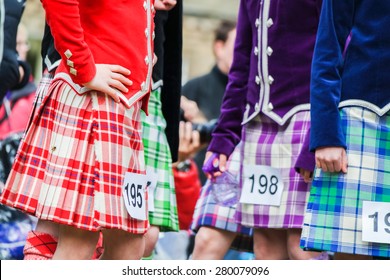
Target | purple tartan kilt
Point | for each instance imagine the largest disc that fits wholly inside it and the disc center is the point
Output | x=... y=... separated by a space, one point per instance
x=209 y=213
x=267 y=143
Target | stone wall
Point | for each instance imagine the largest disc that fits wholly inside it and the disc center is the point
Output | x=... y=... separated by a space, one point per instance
x=200 y=19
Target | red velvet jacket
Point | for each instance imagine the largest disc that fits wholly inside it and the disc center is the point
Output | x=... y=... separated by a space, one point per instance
x=103 y=32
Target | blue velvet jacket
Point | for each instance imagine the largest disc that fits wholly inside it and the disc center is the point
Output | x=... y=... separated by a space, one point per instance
x=349 y=74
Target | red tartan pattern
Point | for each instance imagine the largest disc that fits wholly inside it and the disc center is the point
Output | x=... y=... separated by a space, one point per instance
x=39 y=246
x=71 y=165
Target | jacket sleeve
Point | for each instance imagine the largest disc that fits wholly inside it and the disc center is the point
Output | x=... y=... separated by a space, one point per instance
x=11 y=13
x=227 y=133
x=325 y=89
x=306 y=159
x=69 y=39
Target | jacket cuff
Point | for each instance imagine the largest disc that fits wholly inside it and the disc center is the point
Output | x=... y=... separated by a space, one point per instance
x=305 y=161
x=326 y=128
x=221 y=146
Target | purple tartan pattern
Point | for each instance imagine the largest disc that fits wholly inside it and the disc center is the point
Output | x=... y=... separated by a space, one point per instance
x=267 y=143
x=209 y=213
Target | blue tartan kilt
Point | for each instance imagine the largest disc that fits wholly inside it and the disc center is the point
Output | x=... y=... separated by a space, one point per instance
x=333 y=219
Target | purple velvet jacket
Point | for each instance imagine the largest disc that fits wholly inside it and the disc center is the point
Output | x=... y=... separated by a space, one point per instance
x=271 y=68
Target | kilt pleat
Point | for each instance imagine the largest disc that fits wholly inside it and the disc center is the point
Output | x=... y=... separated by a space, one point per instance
x=333 y=219
x=71 y=164
x=267 y=143
x=41 y=92
x=158 y=157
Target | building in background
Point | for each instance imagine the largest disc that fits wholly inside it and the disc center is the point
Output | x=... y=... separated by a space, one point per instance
x=201 y=17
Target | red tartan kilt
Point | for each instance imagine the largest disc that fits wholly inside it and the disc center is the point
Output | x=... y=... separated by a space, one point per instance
x=71 y=165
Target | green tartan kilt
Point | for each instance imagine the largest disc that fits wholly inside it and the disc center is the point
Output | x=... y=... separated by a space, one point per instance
x=158 y=159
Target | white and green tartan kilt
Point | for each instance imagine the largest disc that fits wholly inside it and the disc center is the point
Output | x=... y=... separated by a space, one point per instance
x=158 y=157
x=333 y=218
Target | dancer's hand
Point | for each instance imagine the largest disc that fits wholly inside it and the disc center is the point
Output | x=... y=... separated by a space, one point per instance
x=110 y=79
x=331 y=159
x=307 y=175
x=164 y=5
x=221 y=164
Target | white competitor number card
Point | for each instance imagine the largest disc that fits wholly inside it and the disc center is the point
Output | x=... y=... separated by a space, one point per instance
x=133 y=191
x=376 y=222
x=262 y=185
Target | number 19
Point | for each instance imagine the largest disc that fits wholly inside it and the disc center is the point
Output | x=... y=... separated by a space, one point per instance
x=386 y=220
